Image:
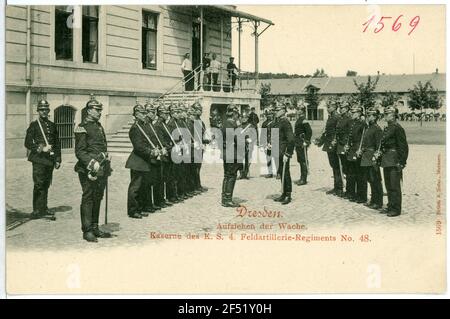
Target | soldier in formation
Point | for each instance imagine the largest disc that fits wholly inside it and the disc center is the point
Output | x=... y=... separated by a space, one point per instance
x=393 y=155
x=327 y=140
x=302 y=135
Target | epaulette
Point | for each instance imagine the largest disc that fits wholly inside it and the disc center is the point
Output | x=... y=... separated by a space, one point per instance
x=80 y=129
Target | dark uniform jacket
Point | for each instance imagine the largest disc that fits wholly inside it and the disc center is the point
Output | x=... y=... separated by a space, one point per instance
x=141 y=156
x=229 y=126
x=285 y=135
x=253 y=118
x=164 y=136
x=90 y=144
x=34 y=139
x=302 y=132
x=371 y=143
x=356 y=132
x=394 y=146
x=343 y=126
x=329 y=134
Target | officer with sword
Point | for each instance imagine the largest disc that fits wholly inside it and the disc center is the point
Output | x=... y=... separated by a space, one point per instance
x=285 y=149
x=42 y=142
x=93 y=168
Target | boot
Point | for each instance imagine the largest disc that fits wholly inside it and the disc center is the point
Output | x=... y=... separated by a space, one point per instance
x=331 y=192
x=302 y=181
x=280 y=198
x=100 y=234
x=287 y=199
x=90 y=237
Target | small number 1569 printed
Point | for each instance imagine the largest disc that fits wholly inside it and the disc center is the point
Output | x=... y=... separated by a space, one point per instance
x=396 y=25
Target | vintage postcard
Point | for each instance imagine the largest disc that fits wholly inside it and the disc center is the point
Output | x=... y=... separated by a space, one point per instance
x=225 y=149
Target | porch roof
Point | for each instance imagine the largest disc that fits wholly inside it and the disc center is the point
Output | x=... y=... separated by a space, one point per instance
x=241 y=14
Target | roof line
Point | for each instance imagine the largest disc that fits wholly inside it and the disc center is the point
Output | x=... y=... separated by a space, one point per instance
x=242 y=14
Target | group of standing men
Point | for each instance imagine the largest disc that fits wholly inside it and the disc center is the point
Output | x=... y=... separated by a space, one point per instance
x=168 y=146
x=357 y=147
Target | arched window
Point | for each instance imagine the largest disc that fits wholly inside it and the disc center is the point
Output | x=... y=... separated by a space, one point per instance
x=65 y=123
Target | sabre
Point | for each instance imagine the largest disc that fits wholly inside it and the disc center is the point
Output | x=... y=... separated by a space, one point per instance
x=340 y=169
x=148 y=139
x=45 y=138
x=282 y=177
x=106 y=195
x=358 y=152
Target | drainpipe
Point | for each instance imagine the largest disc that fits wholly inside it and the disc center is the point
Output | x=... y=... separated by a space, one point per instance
x=28 y=69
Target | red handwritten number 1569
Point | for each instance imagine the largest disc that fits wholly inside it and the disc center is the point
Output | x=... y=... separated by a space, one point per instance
x=395 y=26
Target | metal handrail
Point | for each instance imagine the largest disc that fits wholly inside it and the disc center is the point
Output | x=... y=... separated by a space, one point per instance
x=183 y=80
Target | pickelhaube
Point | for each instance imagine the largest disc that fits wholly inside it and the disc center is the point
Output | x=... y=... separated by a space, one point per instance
x=390 y=109
x=138 y=108
x=278 y=106
x=94 y=104
x=345 y=104
x=232 y=108
x=373 y=111
x=356 y=109
x=150 y=107
x=43 y=104
x=163 y=108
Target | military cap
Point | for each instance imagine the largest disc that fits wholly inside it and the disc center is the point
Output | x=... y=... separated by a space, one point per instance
x=357 y=108
x=197 y=106
x=373 y=111
x=138 y=108
x=94 y=104
x=43 y=105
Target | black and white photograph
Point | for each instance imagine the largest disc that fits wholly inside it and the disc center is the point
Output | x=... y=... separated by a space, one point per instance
x=159 y=148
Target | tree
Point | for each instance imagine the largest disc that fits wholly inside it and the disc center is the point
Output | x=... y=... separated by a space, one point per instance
x=319 y=74
x=365 y=95
x=295 y=99
x=351 y=73
x=264 y=91
x=389 y=98
x=424 y=97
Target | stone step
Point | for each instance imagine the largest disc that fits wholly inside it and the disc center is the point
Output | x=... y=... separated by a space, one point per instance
x=116 y=138
x=124 y=151
x=124 y=144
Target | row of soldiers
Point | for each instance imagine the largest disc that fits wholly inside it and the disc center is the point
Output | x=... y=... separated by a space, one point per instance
x=157 y=181
x=357 y=147
x=165 y=167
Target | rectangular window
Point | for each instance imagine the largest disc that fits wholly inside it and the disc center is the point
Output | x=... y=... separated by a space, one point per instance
x=90 y=34
x=149 y=40
x=64 y=33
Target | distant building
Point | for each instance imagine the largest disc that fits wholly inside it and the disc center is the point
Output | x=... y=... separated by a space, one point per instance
x=118 y=53
x=328 y=87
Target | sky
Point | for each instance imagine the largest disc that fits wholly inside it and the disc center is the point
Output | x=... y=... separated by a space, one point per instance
x=305 y=38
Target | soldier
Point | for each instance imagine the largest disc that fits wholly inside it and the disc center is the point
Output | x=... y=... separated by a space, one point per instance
x=199 y=130
x=371 y=170
x=164 y=133
x=267 y=124
x=42 y=142
x=302 y=136
x=285 y=150
x=356 y=188
x=328 y=141
x=155 y=195
x=230 y=156
x=93 y=168
x=144 y=152
x=249 y=131
x=186 y=122
x=394 y=154
x=342 y=138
